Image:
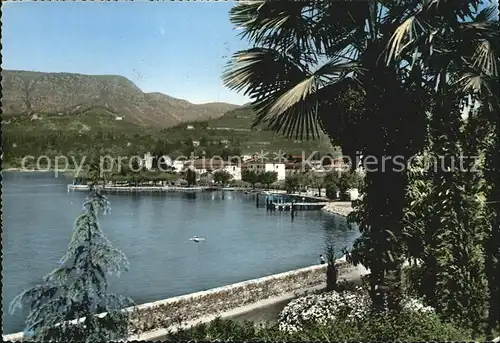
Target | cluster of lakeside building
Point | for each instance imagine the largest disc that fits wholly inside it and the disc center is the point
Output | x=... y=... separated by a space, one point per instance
x=235 y=167
x=290 y=166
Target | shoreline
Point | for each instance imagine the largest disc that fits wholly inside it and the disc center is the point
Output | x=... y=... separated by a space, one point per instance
x=23 y=170
x=147 y=189
x=340 y=208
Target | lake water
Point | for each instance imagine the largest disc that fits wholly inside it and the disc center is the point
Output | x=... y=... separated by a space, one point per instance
x=242 y=242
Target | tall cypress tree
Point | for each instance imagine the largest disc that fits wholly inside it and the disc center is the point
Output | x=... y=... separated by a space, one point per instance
x=78 y=287
x=492 y=242
x=461 y=281
x=446 y=225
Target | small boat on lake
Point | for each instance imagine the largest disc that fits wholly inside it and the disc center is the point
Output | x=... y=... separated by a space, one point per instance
x=196 y=239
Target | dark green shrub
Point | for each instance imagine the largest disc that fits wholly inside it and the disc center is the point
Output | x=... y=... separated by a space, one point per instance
x=331 y=191
x=406 y=326
x=413 y=280
x=218 y=329
x=350 y=179
x=411 y=326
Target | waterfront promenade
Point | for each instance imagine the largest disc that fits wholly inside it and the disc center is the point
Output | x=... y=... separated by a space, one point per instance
x=248 y=299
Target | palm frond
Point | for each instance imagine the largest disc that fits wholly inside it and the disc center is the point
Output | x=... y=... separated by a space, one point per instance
x=249 y=71
x=452 y=9
x=406 y=34
x=485 y=59
x=273 y=23
x=298 y=93
x=488 y=14
x=332 y=71
x=484 y=85
x=294 y=111
x=320 y=111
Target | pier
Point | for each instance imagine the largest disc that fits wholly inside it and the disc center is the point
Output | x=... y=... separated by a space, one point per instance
x=290 y=202
x=298 y=206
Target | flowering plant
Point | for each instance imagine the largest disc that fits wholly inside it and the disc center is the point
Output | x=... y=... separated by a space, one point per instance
x=351 y=306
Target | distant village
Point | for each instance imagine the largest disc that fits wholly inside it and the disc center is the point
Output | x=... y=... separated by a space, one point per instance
x=290 y=165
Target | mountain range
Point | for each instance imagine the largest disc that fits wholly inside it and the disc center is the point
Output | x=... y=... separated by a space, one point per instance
x=37 y=94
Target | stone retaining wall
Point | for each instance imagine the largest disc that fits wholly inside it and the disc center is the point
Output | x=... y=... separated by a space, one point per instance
x=164 y=313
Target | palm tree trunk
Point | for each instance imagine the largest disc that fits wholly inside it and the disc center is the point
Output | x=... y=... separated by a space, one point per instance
x=390 y=140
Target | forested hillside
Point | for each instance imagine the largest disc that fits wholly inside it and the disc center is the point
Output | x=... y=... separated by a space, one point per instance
x=96 y=131
x=44 y=94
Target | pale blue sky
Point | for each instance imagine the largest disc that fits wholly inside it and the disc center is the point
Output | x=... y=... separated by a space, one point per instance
x=177 y=48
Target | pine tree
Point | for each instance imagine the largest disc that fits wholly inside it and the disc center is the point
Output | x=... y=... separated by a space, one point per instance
x=78 y=287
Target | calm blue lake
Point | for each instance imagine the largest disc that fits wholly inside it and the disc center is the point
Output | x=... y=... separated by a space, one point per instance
x=242 y=242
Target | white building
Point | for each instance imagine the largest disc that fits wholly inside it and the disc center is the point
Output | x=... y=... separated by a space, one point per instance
x=190 y=127
x=360 y=167
x=234 y=170
x=178 y=165
x=260 y=166
x=207 y=166
x=147 y=161
x=276 y=167
x=245 y=158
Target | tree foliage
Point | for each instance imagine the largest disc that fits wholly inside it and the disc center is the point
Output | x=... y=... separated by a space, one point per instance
x=350 y=180
x=420 y=58
x=315 y=180
x=317 y=52
x=250 y=176
x=267 y=178
x=190 y=177
x=78 y=287
x=447 y=209
x=332 y=191
x=492 y=241
x=293 y=183
x=222 y=177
